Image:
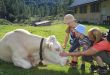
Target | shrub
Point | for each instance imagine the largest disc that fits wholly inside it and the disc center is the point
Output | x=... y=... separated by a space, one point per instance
x=5 y=22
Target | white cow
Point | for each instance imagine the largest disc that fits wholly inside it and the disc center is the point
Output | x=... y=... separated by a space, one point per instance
x=22 y=48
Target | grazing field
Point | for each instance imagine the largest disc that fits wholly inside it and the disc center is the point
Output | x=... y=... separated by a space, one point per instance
x=59 y=31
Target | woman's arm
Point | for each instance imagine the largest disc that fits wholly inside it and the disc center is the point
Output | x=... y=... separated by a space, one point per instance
x=89 y=52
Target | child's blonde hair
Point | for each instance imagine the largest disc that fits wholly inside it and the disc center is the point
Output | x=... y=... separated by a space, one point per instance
x=95 y=35
x=69 y=18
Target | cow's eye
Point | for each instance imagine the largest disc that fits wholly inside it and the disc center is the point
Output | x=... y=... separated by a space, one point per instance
x=57 y=50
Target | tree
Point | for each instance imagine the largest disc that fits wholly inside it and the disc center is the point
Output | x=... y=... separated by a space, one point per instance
x=14 y=10
x=2 y=9
x=19 y=10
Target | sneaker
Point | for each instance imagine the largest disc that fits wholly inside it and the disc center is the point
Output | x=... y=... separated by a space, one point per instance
x=82 y=66
x=109 y=67
x=102 y=70
x=93 y=68
x=73 y=64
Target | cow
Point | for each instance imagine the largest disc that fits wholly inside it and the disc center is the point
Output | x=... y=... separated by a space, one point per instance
x=26 y=50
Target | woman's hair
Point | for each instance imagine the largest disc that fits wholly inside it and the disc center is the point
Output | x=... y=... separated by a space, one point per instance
x=95 y=35
x=108 y=36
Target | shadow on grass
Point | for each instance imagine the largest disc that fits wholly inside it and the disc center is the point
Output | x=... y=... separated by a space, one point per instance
x=10 y=69
x=75 y=71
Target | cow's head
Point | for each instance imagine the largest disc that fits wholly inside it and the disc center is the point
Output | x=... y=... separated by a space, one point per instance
x=52 y=52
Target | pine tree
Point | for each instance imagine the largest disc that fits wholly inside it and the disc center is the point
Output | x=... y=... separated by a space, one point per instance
x=19 y=10
x=2 y=9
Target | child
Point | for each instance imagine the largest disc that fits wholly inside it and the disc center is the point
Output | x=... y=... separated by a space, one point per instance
x=71 y=24
x=85 y=43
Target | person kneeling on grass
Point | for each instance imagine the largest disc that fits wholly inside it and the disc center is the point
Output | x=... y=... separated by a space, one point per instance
x=95 y=35
x=101 y=47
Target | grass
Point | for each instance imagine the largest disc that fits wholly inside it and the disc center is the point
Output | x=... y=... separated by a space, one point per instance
x=59 y=31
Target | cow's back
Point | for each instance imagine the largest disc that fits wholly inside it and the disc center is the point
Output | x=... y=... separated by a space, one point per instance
x=5 y=52
x=15 y=40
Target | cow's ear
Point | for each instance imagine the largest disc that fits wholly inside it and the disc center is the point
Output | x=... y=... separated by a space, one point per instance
x=49 y=45
x=52 y=38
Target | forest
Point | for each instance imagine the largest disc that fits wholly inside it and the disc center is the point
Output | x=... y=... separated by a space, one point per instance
x=21 y=10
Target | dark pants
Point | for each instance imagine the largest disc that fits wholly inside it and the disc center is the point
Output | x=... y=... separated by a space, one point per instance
x=87 y=58
x=105 y=56
x=74 y=45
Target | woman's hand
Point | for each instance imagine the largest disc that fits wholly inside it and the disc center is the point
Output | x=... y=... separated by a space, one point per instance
x=64 y=54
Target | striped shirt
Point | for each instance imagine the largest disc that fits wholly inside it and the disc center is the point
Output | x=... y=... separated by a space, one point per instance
x=85 y=43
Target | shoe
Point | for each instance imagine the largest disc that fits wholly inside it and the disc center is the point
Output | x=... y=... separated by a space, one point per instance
x=102 y=70
x=109 y=67
x=93 y=68
x=73 y=64
x=82 y=66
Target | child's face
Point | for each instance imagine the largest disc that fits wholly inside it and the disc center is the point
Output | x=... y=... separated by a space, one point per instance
x=78 y=35
x=71 y=23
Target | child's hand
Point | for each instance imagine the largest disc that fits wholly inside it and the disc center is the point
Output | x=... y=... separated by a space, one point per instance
x=64 y=46
x=64 y=54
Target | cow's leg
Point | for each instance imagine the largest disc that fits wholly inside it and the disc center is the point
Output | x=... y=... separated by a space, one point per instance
x=20 y=62
x=33 y=58
x=19 y=56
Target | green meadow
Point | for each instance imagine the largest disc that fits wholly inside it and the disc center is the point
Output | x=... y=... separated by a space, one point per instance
x=57 y=29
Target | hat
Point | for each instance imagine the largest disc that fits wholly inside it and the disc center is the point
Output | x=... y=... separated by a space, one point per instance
x=81 y=29
x=69 y=18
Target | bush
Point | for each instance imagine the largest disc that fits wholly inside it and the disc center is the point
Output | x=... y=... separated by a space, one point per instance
x=5 y=22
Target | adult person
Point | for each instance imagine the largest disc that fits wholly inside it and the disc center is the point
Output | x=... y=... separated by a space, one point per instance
x=95 y=35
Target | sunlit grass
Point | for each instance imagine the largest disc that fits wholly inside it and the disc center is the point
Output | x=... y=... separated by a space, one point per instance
x=59 y=31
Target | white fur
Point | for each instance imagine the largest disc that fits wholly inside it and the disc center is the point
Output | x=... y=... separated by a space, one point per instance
x=22 y=48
